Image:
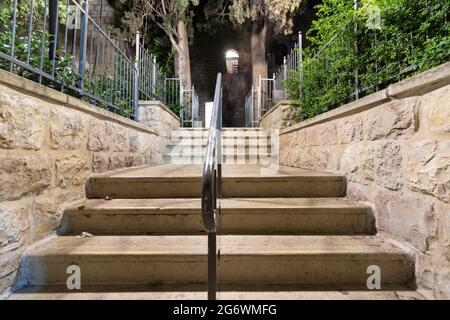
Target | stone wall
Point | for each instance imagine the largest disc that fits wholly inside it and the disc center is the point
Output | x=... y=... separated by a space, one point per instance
x=49 y=144
x=280 y=116
x=155 y=115
x=394 y=148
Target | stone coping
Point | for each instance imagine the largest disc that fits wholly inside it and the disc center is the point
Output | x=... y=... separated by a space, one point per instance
x=417 y=85
x=30 y=87
x=279 y=103
x=161 y=105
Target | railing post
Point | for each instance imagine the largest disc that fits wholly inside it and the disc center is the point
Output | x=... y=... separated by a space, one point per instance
x=253 y=107
x=52 y=26
x=13 y=33
x=284 y=75
x=300 y=53
x=137 y=74
x=192 y=106
x=212 y=265
x=154 y=74
x=181 y=104
x=83 y=42
x=356 y=54
x=258 y=100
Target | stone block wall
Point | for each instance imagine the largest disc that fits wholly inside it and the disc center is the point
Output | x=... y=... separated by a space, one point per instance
x=49 y=144
x=157 y=116
x=394 y=148
x=280 y=116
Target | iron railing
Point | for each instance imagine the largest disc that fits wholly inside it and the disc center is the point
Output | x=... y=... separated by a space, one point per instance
x=270 y=90
x=182 y=100
x=150 y=75
x=58 y=44
x=290 y=62
x=211 y=186
x=259 y=100
x=250 y=114
x=190 y=107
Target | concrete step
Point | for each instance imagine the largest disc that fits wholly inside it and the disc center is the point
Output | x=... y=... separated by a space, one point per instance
x=254 y=134
x=179 y=147
x=244 y=262
x=161 y=293
x=191 y=151
x=237 y=216
x=224 y=130
x=242 y=181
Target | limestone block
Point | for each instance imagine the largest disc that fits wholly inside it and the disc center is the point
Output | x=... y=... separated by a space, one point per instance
x=288 y=115
x=312 y=136
x=100 y=162
x=285 y=141
x=119 y=138
x=437 y=110
x=71 y=171
x=47 y=210
x=328 y=134
x=141 y=143
x=23 y=175
x=133 y=139
x=295 y=156
x=350 y=129
x=359 y=192
x=100 y=133
x=9 y=264
x=407 y=218
x=117 y=162
x=429 y=168
x=334 y=160
x=145 y=143
x=68 y=129
x=138 y=160
x=442 y=282
x=357 y=162
x=314 y=157
x=22 y=122
x=13 y=222
x=301 y=138
x=388 y=165
x=284 y=157
x=444 y=229
x=147 y=112
x=391 y=120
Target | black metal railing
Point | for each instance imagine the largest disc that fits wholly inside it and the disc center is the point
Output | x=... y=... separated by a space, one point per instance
x=211 y=186
x=58 y=44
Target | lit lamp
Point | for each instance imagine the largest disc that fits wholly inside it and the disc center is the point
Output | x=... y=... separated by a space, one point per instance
x=232 y=60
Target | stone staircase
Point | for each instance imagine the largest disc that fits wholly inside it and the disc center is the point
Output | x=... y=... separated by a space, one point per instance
x=240 y=146
x=290 y=235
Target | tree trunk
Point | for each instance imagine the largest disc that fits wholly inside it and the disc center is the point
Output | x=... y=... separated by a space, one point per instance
x=183 y=62
x=258 y=46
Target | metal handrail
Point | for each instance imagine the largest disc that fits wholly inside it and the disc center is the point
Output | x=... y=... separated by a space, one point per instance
x=211 y=185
